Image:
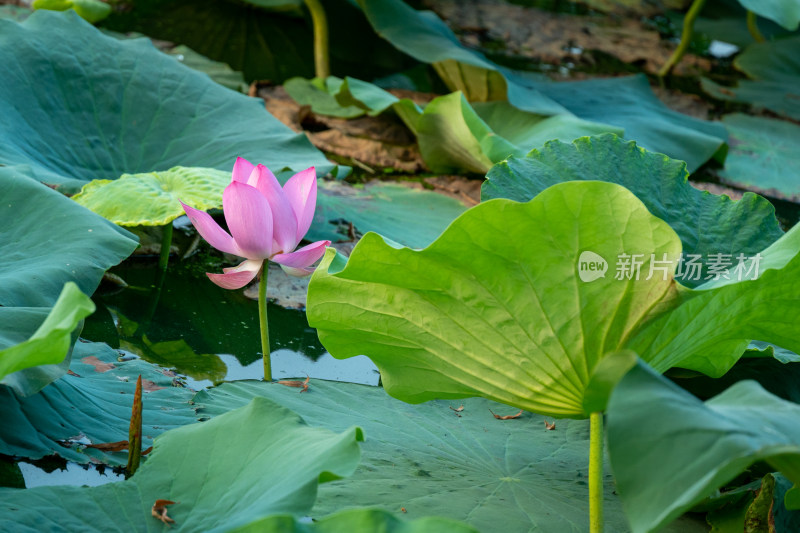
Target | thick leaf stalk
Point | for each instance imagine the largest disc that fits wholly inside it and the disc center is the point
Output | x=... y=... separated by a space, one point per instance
x=686 y=38
x=322 y=67
x=596 y=472
x=262 y=320
x=135 y=431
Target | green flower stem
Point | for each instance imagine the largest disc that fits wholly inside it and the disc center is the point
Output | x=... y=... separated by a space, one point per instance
x=686 y=38
x=322 y=67
x=752 y=27
x=262 y=319
x=166 y=244
x=596 y=472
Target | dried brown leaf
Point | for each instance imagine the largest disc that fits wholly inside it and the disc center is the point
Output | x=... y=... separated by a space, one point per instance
x=293 y=383
x=110 y=446
x=160 y=511
x=506 y=417
x=550 y=426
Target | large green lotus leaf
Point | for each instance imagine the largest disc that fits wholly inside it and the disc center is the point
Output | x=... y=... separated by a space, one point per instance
x=52 y=340
x=356 y=520
x=518 y=303
x=706 y=223
x=432 y=460
x=243 y=466
x=763 y=155
x=670 y=450
x=409 y=216
x=153 y=199
x=624 y=103
x=784 y=12
x=259 y=42
x=48 y=240
x=102 y=107
x=774 y=69
x=494 y=307
x=91 y=405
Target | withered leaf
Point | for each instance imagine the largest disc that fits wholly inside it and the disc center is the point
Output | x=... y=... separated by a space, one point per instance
x=550 y=426
x=110 y=446
x=506 y=417
x=71 y=373
x=293 y=383
x=148 y=450
x=160 y=511
x=98 y=365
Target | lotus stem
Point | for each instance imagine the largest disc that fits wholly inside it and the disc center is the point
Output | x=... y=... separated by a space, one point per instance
x=166 y=244
x=596 y=472
x=686 y=38
x=262 y=318
x=752 y=27
x=322 y=67
x=135 y=432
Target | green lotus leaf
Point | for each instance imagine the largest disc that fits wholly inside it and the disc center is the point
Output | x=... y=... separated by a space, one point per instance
x=219 y=483
x=153 y=199
x=774 y=71
x=784 y=12
x=624 y=103
x=356 y=520
x=257 y=39
x=669 y=450
x=91 y=10
x=121 y=106
x=432 y=460
x=91 y=405
x=763 y=155
x=52 y=340
x=518 y=303
x=706 y=223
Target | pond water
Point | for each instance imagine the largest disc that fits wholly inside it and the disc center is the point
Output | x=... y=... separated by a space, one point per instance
x=206 y=333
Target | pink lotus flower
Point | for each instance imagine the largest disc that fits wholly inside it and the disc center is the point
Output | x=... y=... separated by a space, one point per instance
x=266 y=222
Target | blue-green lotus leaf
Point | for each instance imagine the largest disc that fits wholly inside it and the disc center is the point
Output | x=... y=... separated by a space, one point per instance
x=48 y=242
x=774 y=71
x=432 y=460
x=763 y=155
x=219 y=483
x=102 y=107
x=92 y=405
